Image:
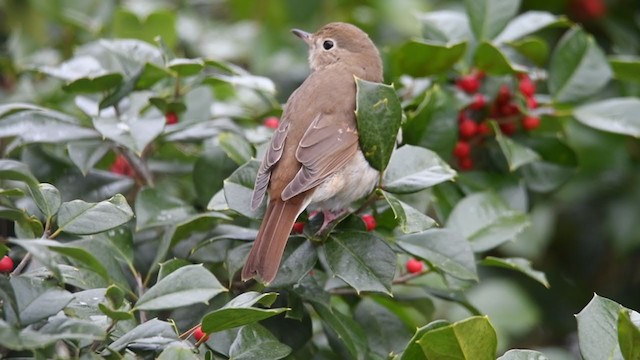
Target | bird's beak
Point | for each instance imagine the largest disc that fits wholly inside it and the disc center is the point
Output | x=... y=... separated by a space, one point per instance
x=302 y=35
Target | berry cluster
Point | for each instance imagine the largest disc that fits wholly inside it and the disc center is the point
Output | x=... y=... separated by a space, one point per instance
x=473 y=119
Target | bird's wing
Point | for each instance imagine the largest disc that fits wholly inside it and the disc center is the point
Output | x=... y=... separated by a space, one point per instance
x=326 y=146
x=273 y=154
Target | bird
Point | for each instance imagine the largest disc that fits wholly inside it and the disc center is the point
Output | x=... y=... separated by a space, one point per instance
x=314 y=160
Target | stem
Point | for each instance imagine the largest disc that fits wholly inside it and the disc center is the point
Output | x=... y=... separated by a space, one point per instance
x=140 y=286
x=18 y=269
x=139 y=167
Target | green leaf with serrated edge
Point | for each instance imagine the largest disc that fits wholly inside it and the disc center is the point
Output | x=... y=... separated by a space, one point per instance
x=472 y=338
x=528 y=23
x=598 y=329
x=254 y=342
x=151 y=332
x=300 y=256
x=378 y=114
x=79 y=217
x=186 y=286
x=533 y=48
x=486 y=221
x=352 y=335
x=517 y=264
x=239 y=311
x=617 y=115
x=578 y=67
x=414 y=350
x=518 y=354
x=489 y=17
x=516 y=154
x=443 y=249
x=409 y=218
x=628 y=335
x=52 y=200
x=238 y=189
x=362 y=260
x=170 y=266
x=445 y=26
x=414 y=168
x=492 y=60
x=236 y=147
x=625 y=68
x=39 y=246
x=420 y=58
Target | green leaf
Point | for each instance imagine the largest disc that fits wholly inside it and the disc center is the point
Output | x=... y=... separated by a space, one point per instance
x=362 y=260
x=486 y=221
x=15 y=170
x=420 y=58
x=239 y=311
x=209 y=172
x=473 y=338
x=161 y=23
x=628 y=336
x=170 y=266
x=123 y=90
x=442 y=249
x=617 y=115
x=186 y=67
x=517 y=264
x=378 y=114
x=236 y=147
x=598 y=329
x=414 y=168
x=414 y=350
x=386 y=333
x=557 y=166
x=625 y=68
x=52 y=200
x=83 y=74
x=533 y=48
x=157 y=208
x=186 y=286
x=150 y=75
x=523 y=355
x=132 y=132
x=445 y=26
x=300 y=256
x=85 y=154
x=348 y=331
x=37 y=300
x=528 y=23
x=491 y=60
x=238 y=189
x=409 y=218
x=177 y=352
x=79 y=217
x=489 y=17
x=578 y=67
x=254 y=342
x=516 y=155
x=152 y=334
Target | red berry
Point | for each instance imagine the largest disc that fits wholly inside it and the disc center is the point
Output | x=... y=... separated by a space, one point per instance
x=414 y=266
x=479 y=101
x=298 y=228
x=484 y=129
x=504 y=95
x=527 y=87
x=509 y=110
x=171 y=118
x=468 y=83
x=508 y=128
x=121 y=166
x=369 y=221
x=6 y=264
x=199 y=334
x=479 y=74
x=272 y=122
x=587 y=10
x=531 y=102
x=530 y=122
x=465 y=163
x=462 y=149
x=468 y=128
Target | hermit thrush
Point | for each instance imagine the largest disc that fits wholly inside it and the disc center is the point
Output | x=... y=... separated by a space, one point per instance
x=314 y=159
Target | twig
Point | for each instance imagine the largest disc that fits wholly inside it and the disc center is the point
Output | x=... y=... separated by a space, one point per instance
x=18 y=269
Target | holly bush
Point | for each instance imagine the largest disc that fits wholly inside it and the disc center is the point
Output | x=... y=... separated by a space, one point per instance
x=129 y=154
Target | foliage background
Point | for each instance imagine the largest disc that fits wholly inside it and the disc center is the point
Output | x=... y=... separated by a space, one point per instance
x=584 y=235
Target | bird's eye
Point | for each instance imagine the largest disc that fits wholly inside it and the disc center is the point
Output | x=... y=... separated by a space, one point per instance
x=327 y=44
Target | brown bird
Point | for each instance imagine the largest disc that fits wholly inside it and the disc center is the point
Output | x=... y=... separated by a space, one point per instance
x=314 y=159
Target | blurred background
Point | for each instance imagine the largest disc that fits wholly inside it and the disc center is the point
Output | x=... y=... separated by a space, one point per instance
x=585 y=236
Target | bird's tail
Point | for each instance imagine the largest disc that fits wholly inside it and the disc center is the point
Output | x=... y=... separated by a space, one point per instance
x=264 y=258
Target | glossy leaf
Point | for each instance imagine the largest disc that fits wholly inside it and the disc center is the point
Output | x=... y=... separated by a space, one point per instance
x=486 y=221
x=378 y=114
x=52 y=200
x=177 y=352
x=84 y=74
x=351 y=334
x=517 y=264
x=625 y=68
x=254 y=342
x=598 y=329
x=86 y=154
x=492 y=60
x=37 y=300
x=386 y=333
x=617 y=115
x=516 y=154
x=473 y=338
x=578 y=67
x=533 y=48
x=238 y=189
x=445 y=26
x=523 y=355
x=135 y=133
x=489 y=17
x=299 y=258
x=628 y=335
x=60 y=328
x=236 y=147
x=155 y=208
x=528 y=23
x=421 y=58
x=414 y=350
x=240 y=311
x=409 y=218
x=153 y=333
x=414 y=168
x=362 y=260
x=443 y=249
x=79 y=217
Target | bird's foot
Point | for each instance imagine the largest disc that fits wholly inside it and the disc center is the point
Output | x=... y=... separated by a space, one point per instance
x=330 y=220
